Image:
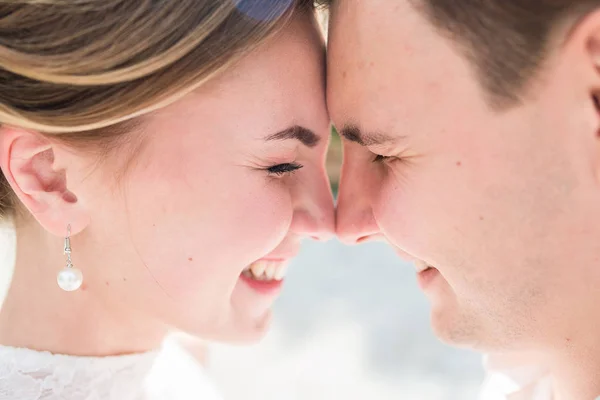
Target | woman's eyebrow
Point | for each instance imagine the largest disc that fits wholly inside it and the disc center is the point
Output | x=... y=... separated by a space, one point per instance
x=304 y=135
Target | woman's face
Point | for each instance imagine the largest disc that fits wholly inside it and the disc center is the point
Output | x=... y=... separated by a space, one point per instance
x=229 y=177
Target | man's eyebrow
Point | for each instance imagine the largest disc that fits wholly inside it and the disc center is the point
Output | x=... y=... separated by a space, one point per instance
x=304 y=135
x=353 y=133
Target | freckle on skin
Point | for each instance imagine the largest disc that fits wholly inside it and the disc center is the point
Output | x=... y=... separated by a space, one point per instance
x=124 y=279
x=481 y=218
x=107 y=284
x=344 y=74
x=458 y=163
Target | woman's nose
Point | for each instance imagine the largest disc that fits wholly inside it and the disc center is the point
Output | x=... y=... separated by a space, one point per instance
x=314 y=212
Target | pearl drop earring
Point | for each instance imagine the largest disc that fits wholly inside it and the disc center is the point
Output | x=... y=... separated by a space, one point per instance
x=69 y=278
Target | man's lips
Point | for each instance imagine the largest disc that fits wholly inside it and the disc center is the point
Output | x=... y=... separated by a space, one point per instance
x=420 y=265
x=427 y=276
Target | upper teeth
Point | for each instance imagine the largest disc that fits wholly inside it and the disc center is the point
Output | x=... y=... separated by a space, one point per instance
x=265 y=270
x=421 y=265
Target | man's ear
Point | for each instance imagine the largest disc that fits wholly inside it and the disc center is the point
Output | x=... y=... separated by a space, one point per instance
x=27 y=161
x=590 y=30
x=580 y=64
x=581 y=54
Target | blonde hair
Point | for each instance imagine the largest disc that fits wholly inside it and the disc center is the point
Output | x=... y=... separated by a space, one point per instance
x=83 y=70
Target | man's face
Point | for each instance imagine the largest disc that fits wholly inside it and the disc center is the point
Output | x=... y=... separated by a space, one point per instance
x=504 y=204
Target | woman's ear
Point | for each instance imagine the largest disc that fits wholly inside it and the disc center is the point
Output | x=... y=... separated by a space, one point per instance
x=27 y=161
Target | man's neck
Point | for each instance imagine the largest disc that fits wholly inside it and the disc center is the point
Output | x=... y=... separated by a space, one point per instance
x=576 y=375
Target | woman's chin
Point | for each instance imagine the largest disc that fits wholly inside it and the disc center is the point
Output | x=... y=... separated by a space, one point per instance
x=253 y=299
x=257 y=331
x=244 y=330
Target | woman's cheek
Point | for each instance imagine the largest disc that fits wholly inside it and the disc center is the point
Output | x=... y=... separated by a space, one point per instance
x=191 y=248
x=264 y=219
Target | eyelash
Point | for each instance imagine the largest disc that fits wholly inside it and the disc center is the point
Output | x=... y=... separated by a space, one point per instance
x=284 y=169
x=379 y=158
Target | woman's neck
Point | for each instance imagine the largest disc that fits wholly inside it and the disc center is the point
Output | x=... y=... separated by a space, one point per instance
x=37 y=314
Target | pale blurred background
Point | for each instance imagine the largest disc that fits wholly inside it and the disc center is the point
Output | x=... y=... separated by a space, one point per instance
x=351 y=324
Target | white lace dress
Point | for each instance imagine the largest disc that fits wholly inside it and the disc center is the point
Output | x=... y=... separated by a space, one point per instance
x=170 y=373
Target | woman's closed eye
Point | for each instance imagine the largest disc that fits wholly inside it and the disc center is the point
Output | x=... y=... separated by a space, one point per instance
x=280 y=170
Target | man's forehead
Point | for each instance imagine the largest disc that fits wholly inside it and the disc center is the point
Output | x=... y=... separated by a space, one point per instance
x=395 y=57
x=373 y=23
x=373 y=13
x=384 y=37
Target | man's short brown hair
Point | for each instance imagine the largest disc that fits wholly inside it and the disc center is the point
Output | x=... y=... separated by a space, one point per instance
x=506 y=40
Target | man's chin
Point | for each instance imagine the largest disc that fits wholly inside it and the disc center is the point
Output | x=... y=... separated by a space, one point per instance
x=458 y=329
x=455 y=329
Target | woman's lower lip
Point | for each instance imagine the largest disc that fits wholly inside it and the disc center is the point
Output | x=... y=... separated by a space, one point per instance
x=269 y=288
x=425 y=278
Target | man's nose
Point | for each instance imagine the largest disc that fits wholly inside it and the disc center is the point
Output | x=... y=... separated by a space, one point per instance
x=355 y=222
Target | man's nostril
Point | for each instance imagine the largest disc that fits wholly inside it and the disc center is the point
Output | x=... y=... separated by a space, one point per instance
x=363 y=239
